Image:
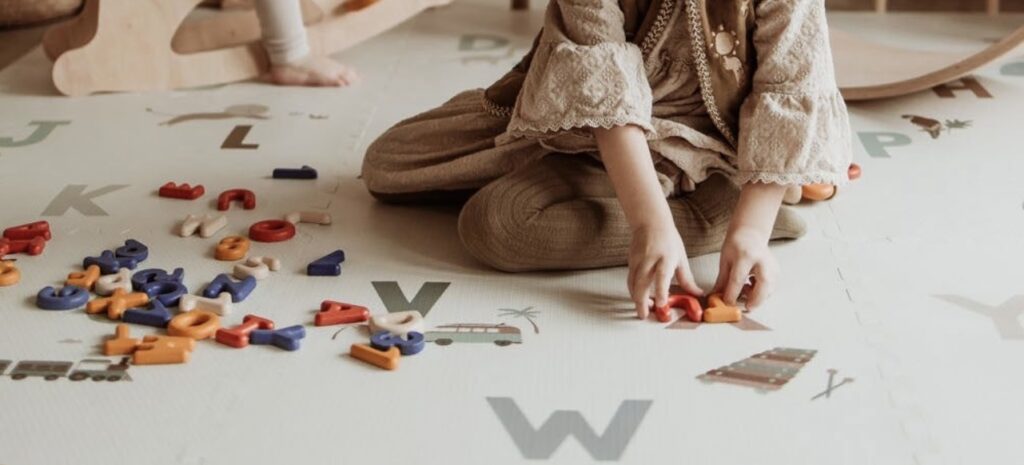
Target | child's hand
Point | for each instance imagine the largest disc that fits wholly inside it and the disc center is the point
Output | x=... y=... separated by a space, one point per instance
x=656 y=256
x=745 y=255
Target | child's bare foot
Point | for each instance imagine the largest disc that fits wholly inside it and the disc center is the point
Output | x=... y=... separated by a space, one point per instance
x=313 y=71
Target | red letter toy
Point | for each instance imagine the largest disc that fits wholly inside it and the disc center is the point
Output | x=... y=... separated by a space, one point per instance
x=247 y=198
x=184 y=191
x=340 y=313
x=238 y=336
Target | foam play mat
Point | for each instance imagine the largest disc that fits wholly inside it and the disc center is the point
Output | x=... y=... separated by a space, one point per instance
x=895 y=337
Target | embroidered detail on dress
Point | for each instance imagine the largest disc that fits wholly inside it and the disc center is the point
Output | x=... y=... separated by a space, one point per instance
x=790 y=179
x=495 y=109
x=724 y=49
x=703 y=73
x=659 y=26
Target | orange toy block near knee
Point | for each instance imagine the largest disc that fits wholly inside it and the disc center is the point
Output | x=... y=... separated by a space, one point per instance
x=122 y=343
x=718 y=312
x=161 y=350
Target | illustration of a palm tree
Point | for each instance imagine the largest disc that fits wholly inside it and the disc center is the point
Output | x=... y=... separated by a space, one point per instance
x=529 y=313
x=957 y=124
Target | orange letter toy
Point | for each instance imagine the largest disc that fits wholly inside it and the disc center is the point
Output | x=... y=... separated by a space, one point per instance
x=196 y=324
x=232 y=248
x=719 y=312
x=387 y=359
x=84 y=279
x=121 y=343
x=9 y=274
x=159 y=350
x=117 y=303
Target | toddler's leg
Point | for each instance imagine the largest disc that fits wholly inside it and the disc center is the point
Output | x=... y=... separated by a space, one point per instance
x=284 y=38
x=561 y=213
x=444 y=154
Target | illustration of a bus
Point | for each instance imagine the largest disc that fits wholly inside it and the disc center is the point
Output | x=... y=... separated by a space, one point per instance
x=48 y=370
x=100 y=369
x=499 y=334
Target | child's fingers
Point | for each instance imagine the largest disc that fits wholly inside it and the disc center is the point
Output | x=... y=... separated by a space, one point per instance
x=631 y=281
x=736 y=278
x=685 y=279
x=724 y=271
x=642 y=290
x=663 y=280
x=764 y=285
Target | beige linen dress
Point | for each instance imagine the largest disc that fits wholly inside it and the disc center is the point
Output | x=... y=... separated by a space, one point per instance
x=538 y=197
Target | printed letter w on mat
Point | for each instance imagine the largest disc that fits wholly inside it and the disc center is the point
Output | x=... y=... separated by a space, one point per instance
x=541 y=443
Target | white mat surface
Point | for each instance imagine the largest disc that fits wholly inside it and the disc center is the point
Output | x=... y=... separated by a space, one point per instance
x=873 y=289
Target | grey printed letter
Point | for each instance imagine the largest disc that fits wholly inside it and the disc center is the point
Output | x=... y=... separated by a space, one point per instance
x=541 y=443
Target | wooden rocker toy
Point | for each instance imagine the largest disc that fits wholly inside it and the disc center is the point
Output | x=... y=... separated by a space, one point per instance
x=152 y=45
x=866 y=70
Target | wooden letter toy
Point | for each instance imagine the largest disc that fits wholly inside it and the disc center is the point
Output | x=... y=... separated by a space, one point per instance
x=160 y=350
x=387 y=360
x=133 y=250
x=117 y=303
x=29 y=231
x=141 y=278
x=308 y=217
x=272 y=231
x=121 y=343
x=328 y=265
x=340 y=313
x=158 y=316
x=412 y=345
x=195 y=324
x=9 y=274
x=818 y=191
x=69 y=297
x=690 y=305
x=221 y=305
x=398 y=323
x=84 y=279
x=284 y=338
x=110 y=263
x=306 y=172
x=107 y=284
x=238 y=290
x=257 y=267
x=207 y=226
x=247 y=198
x=853 y=172
x=663 y=314
x=719 y=312
x=232 y=248
x=166 y=292
x=33 y=246
x=184 y=191
x=238 y=336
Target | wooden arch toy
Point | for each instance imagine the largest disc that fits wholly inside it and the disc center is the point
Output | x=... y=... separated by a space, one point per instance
x=867 y=70
x=148 y=45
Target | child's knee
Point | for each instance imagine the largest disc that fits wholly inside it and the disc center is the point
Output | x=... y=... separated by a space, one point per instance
x=489 y=232
x=376 y=174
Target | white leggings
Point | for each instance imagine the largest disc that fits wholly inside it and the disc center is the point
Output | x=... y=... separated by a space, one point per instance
x=284 y=34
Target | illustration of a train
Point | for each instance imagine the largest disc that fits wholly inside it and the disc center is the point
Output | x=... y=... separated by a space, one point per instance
x=96 y=369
